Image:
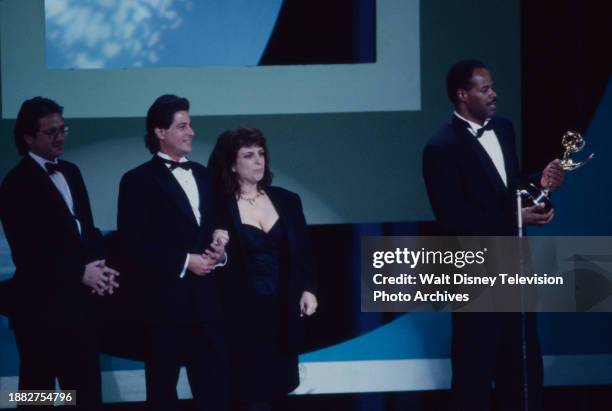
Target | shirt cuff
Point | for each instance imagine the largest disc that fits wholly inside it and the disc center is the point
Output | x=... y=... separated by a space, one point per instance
x=185 y=267
x=221 y=263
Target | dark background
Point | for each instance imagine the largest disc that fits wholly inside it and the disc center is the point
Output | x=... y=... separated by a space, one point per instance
x=566 y=65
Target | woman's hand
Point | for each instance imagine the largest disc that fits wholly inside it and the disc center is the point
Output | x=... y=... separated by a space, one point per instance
x=220 y=237
x=308 y=304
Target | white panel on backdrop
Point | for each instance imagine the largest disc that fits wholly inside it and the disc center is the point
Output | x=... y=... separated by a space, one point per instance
x=390 y=84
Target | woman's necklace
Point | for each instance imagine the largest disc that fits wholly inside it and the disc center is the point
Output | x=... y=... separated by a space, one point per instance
x=250 y=200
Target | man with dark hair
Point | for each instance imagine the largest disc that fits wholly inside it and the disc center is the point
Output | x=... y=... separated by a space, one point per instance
x=58 y=255
x=471 y=172
x=166 y=220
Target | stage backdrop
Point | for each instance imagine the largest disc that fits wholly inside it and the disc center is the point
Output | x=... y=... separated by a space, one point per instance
x=350 y=163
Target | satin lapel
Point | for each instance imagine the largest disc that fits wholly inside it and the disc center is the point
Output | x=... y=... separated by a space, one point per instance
x=50 y=191
x=172 y=188
x=236 y=222
x=232 y=207
x=284 y=213
x=507 y=151
x=203 y=193
x=476 y=152
x=75 y=192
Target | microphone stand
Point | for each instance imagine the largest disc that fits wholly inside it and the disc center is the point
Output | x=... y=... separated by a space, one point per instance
x=519 y=218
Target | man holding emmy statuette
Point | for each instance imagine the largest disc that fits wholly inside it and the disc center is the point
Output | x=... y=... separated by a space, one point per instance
x=471 y=171
x=572 y=143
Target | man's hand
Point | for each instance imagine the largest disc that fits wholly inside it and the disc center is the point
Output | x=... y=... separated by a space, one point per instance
x=553 y=175
x=536 y=215
x=100 y=278
x=200 y=264
x=112 y=279
x=308 y=304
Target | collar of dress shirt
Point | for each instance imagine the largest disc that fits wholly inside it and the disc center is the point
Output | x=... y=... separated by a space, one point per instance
x=167 y=157
x=41 y=161
x=474 y=127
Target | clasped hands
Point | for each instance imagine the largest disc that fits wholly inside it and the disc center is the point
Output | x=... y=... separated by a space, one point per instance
x=202 y=264
x=308 y=304
x=552 y=178
x=100 y=278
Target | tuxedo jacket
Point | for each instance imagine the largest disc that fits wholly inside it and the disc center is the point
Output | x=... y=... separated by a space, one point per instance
x=300 y=270
x=467 y=194
x=48 y=251
x=157 y=229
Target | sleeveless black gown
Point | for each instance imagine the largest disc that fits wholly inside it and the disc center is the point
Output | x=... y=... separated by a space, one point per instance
x=262 y=367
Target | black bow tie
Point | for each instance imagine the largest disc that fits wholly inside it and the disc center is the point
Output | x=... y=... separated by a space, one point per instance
x=52 y=168
x=481 y=130
x=185 y=165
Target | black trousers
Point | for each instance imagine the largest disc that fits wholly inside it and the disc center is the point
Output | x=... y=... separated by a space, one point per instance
x=487 y=349
x=201 y=349
x=69 y=354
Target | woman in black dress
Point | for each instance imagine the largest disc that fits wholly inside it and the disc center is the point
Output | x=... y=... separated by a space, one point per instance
x=269 y=281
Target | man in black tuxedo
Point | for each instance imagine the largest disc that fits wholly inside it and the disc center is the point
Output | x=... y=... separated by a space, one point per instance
x=166 y=220
x=471 y=172
x=58 y=257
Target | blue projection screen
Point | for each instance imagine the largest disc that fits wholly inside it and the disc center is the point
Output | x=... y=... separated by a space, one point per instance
x=392 y=83
x=89 y=34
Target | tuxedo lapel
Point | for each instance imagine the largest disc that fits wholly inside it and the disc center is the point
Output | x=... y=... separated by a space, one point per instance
x=507 y=150
x=172 y=189
x=475 y=152
x=234 y=213
x=286 y=218
x=203 y=190
x=78 y=198
x=76 y=192
x=49 y=191
x=236 y=222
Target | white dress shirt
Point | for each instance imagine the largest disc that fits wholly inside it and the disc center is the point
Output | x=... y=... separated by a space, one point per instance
x=490 y=143
x=60 y=183
x=187 y=182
